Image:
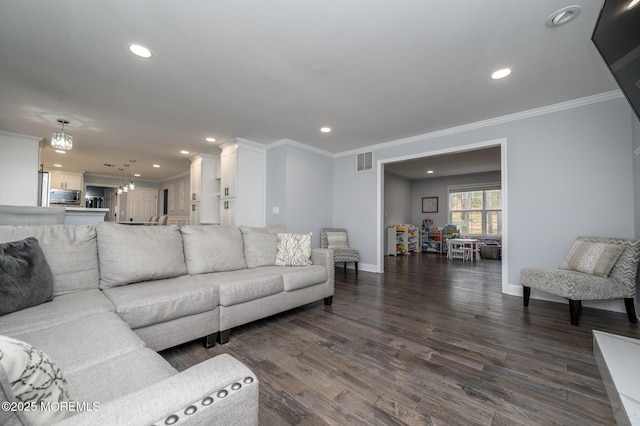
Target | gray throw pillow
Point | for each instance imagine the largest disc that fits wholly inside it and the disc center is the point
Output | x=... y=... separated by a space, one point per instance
x=261 y=244
x=25 y=276
x=592 y=258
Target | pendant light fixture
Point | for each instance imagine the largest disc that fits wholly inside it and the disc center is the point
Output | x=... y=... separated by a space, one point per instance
x=132 y=186
x=120 y=188
x=62 y=140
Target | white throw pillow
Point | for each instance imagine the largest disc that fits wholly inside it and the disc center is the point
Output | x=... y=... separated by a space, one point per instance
x=294 y=250
x=28 y=377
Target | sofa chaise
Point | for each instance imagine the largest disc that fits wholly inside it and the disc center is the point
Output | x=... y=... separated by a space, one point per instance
x=120 y=293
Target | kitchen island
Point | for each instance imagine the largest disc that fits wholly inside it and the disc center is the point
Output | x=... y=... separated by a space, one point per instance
x=84 y=216
x=53 y=215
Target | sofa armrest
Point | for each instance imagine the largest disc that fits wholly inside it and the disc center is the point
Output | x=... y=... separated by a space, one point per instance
x=220 y=390
x=322 y=256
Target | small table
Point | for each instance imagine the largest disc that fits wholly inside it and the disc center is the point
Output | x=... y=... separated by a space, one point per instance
x=463 y=248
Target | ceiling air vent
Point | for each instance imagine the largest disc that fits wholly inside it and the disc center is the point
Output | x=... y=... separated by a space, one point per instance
x=365 y=162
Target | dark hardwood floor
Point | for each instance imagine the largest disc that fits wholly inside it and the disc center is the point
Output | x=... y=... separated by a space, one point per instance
x=431 y=341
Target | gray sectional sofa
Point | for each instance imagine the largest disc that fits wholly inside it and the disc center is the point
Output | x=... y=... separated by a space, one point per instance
x=121 y=293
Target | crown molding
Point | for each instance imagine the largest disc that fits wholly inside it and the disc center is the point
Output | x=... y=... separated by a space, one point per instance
x=576 y=103
x=243 y=143
x=291 y=142
x=19 y=136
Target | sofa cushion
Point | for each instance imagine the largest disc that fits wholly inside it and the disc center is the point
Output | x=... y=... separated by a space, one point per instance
x=130 y=253
x=261 y=244
x=212 y=248
x=71 y=253
x=29 y=376
x=61 y=309
x=84 y=342
x=243 y=286
x=293 y=250
x=118 y=376
x=25 y=276
x=297 y=278
x=592 y=258
x=154 y=302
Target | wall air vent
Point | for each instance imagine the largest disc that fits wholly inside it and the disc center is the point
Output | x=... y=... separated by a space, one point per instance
x=365 y=162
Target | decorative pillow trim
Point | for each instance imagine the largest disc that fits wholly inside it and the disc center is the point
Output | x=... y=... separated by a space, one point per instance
x=294 y=250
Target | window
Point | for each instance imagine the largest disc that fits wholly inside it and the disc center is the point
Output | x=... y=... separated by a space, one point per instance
x=476 y=210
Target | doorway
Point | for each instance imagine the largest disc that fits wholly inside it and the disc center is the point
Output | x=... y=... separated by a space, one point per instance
x=142 y=204
x=454 y=157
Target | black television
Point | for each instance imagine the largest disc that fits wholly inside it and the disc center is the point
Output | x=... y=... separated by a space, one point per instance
x=617 y=38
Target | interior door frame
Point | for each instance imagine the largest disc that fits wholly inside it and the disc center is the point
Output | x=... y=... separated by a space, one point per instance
x=502 y=143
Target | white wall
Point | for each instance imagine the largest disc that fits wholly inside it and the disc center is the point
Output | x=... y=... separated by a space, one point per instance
x=299 y=184
x=568 y=172
x=397 y=200
x=19 y=165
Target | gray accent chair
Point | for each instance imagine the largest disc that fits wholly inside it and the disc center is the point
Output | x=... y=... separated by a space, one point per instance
x=577 y=286
x=337 y=240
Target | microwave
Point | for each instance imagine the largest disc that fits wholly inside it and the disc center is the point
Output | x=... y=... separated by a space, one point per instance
x=65 y=196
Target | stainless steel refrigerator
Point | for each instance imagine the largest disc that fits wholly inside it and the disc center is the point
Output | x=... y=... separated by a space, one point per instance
x=43 y=188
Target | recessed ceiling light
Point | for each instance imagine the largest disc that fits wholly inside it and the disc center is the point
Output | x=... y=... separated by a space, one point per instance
x=140 y=50
x=184 y=152
x=157 y=166
x=210 y=139
x=429 y=172
x=136 y=174
x=501 y=73
x=562 y=16
x=60 y=151
x=57 y=165
x=325 y=129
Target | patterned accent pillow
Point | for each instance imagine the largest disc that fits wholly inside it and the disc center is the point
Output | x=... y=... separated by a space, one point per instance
x=294 y=249
x=592 y=258
x=28 y=377
x=336 y=240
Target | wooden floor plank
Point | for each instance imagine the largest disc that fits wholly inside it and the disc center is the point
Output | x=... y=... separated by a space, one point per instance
x=431 y=341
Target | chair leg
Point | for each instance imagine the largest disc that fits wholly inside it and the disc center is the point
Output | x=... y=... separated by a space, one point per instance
x=345 y=267
x=631 y=310
x=526 y=292
x=356 y=267
x=575 y=307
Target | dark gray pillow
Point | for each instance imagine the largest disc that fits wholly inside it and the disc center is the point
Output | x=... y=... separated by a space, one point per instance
x=25 y=277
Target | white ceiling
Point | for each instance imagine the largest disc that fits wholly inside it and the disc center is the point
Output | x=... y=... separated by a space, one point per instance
x=459 y=163
x=373 y=70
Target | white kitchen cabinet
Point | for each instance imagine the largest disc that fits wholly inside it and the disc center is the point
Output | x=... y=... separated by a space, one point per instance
x=66 y=180
x=229 y=168
x=205 y=189
x=228 y=211
x=242 y=179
